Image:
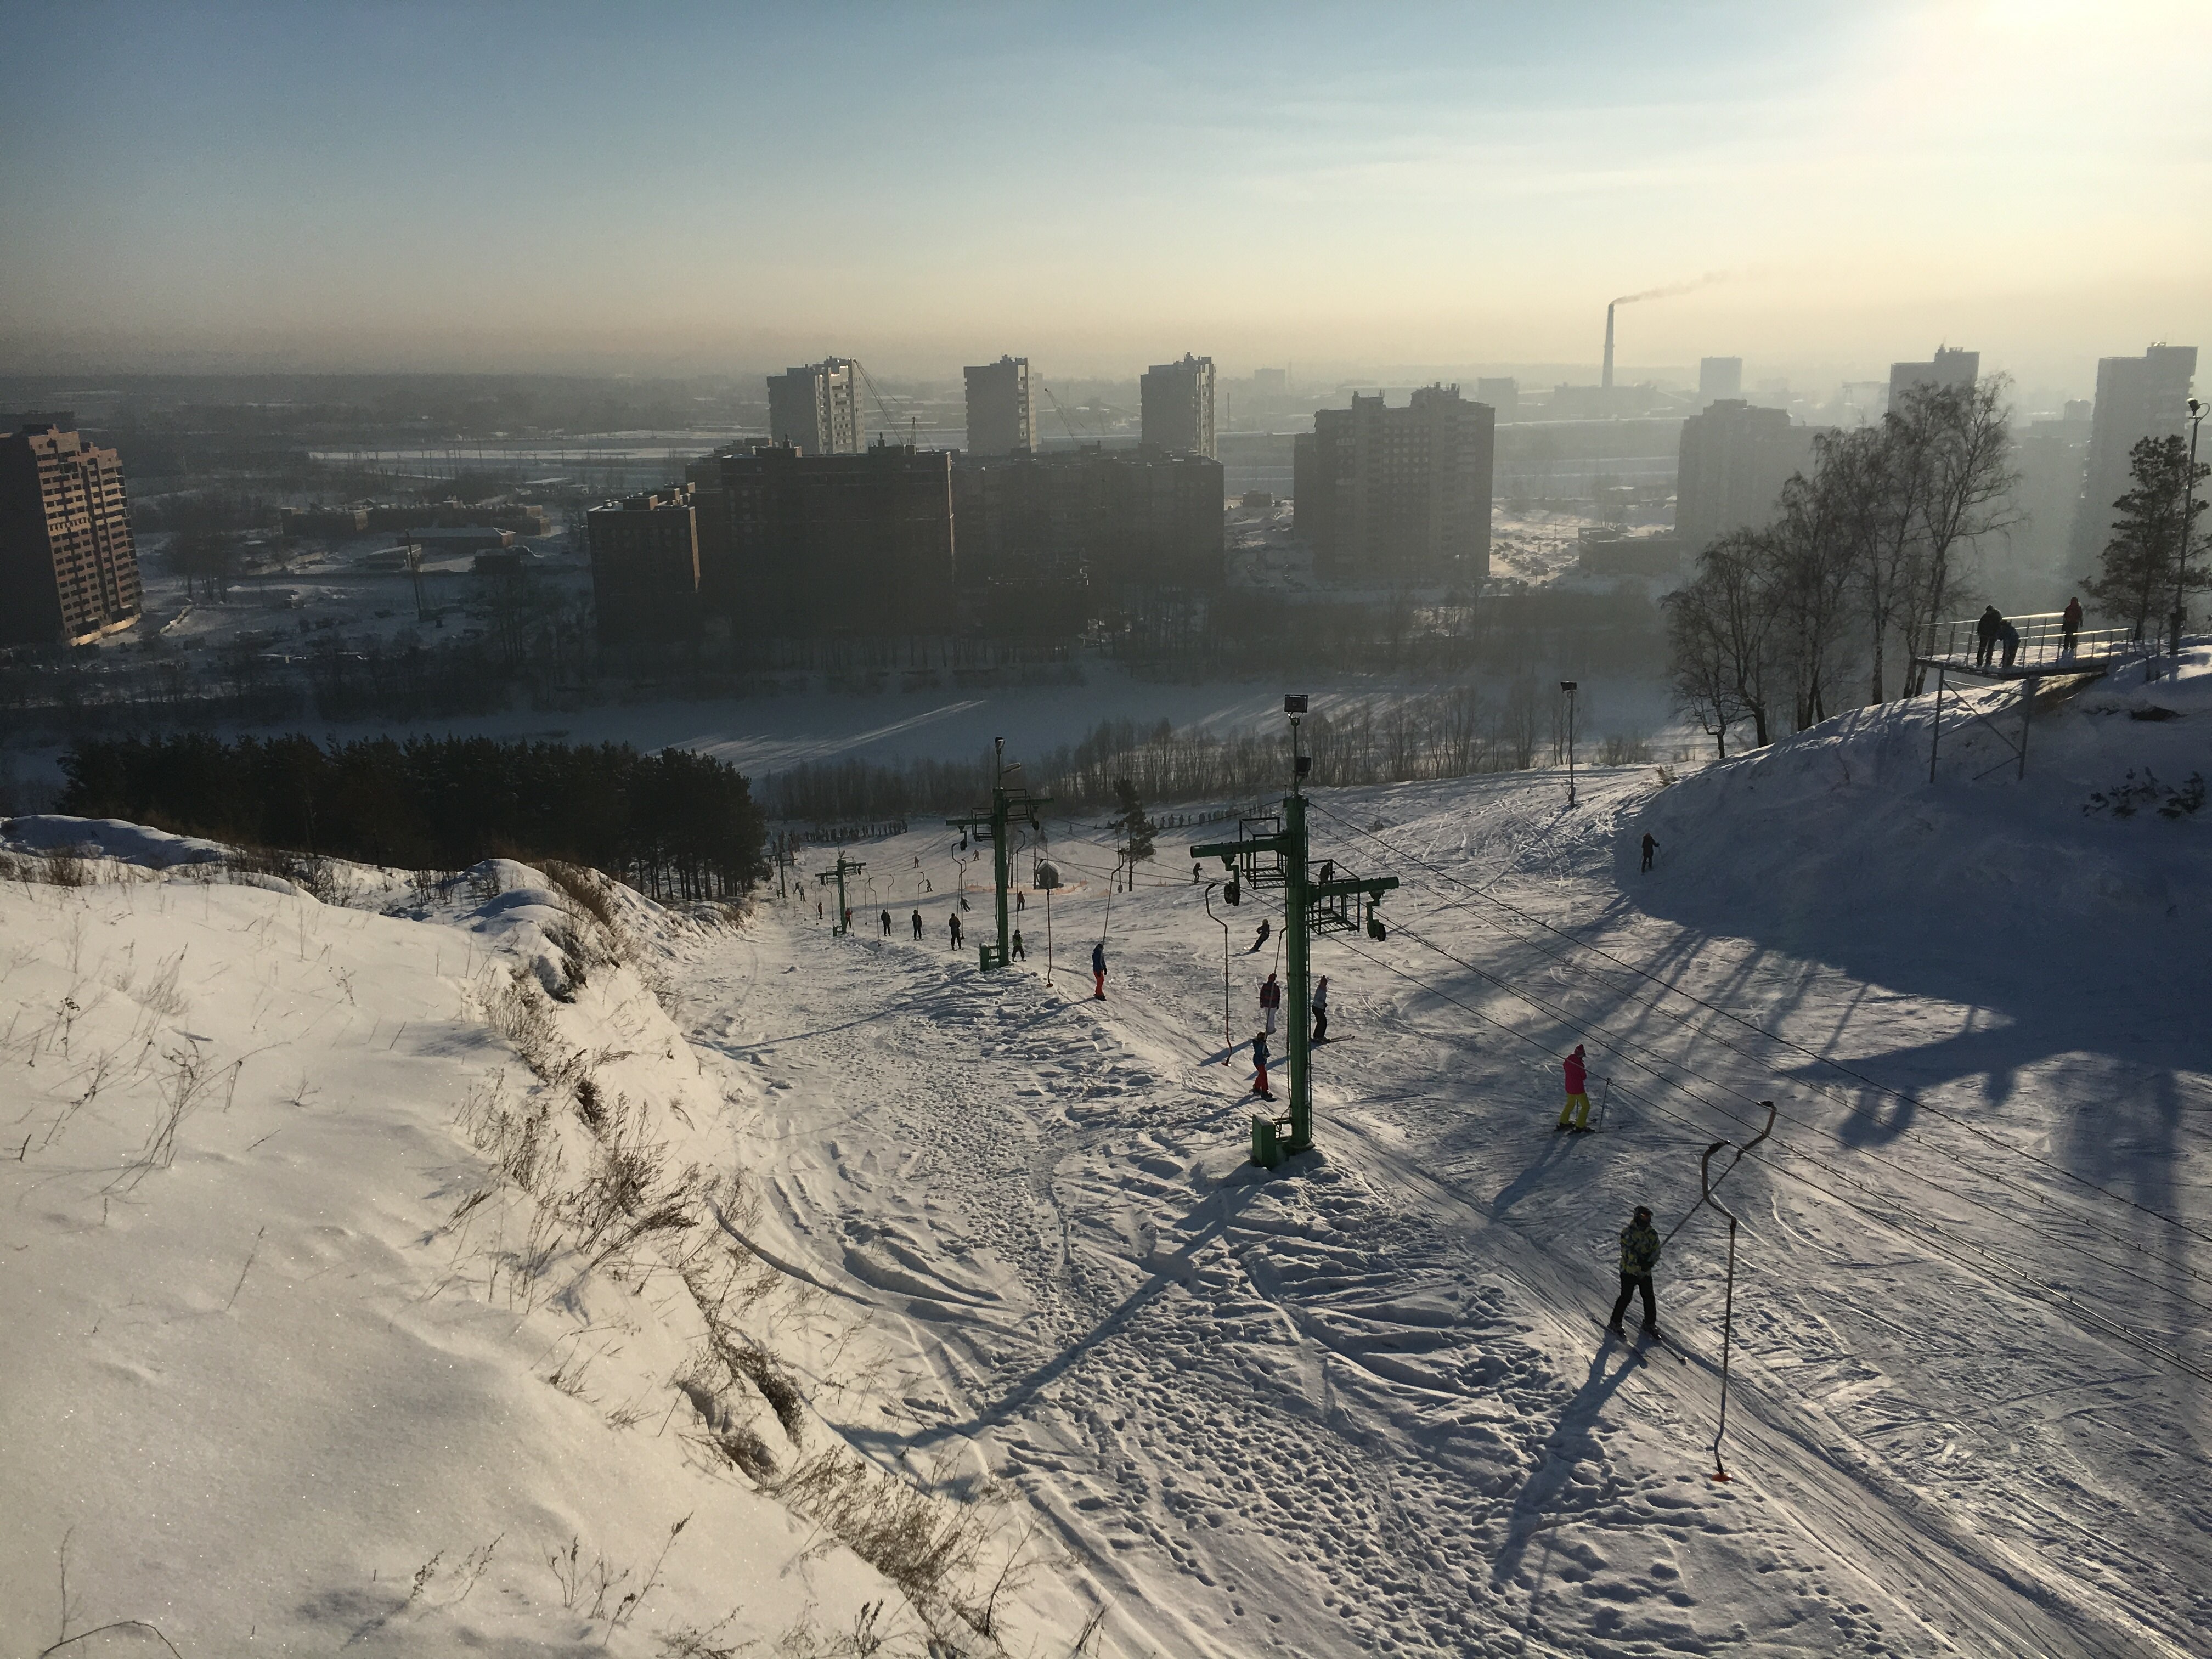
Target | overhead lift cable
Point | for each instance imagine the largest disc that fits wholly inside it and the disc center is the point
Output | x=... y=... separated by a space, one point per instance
x=1913 y=1101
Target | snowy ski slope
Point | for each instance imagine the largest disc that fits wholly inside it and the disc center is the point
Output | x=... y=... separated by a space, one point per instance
x=1010 y=1248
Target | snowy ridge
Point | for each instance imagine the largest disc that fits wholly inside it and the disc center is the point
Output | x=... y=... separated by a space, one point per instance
x=375 y=1281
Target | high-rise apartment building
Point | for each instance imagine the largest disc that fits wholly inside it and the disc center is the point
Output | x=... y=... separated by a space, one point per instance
x=1948 y=367
x=69 y=567
x=1384 y=494
x=817 y=407
x=2137 y=397
x=1718 y=378
x=1734 y=459
x=1175 y=407
x=1000 y=419
x=794 y=546
x=1122 y=517
x=645 y=567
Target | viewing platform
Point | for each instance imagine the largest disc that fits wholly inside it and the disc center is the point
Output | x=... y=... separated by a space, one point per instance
x=2045 y=649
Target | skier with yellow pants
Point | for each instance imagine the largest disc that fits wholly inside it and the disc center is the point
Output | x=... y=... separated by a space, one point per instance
x=1575 y=1115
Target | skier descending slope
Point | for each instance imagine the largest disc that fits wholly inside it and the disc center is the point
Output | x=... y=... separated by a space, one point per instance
x=1575 y=1115
x=1639 y=1252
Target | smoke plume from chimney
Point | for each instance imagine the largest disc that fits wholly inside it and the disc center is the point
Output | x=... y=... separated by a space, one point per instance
x=1606 y=379
x=1666 y=292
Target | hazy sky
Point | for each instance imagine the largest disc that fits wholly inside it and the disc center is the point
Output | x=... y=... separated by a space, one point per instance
x=659 y=187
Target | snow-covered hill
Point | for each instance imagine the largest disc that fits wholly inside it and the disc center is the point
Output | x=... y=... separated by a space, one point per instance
x=1001 y=1242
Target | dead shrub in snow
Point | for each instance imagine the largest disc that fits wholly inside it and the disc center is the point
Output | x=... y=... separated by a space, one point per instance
x=515 y=1008
x=924 y=1545
x=585 y=890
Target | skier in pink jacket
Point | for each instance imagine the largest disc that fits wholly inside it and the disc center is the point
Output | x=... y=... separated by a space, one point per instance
x=1575 y=1115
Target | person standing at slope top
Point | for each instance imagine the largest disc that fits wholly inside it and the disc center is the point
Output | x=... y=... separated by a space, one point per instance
x=1017 y=954
x=1651 y=845
x=1575 y=1115
x=1321 y=1010
x=952 y=926
x=1260 y=1065
x=1271 y=1003
x=1639 y=1254
x=1098 y=971
x=917 y=926
x=2069 y=621
x=887 y=923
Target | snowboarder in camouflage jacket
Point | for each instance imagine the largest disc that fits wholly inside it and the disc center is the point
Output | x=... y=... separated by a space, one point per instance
x=1639 y=1254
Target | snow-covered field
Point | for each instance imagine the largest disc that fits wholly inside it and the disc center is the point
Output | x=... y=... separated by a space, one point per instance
x=278 y=1377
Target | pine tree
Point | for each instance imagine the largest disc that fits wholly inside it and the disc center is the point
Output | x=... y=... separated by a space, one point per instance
x=2136 y=583
x=1131 y=825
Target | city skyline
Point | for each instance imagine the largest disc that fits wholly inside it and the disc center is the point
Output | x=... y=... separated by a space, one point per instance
x=493 y=187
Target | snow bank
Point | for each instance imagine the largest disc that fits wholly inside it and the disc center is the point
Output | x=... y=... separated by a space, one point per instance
x=374 y=1280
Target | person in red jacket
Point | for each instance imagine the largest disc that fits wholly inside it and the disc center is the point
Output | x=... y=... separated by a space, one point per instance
x=1575 y=1115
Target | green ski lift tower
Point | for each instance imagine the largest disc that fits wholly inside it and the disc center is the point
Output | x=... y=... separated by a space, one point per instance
x=1010 y=803
x=1275 y=850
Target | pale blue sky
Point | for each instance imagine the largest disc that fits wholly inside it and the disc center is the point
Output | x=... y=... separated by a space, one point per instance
x=675 y=186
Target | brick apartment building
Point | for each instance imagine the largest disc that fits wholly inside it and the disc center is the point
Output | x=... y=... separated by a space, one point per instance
x=69 y=567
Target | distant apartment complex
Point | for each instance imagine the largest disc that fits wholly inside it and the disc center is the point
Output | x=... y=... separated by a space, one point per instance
x=1398 y=494
x=1175 y=407
x=1718 y=378
x=69 y=567
x=817 y=408
x=793 y=545
x=2137 y=397
x=1734 y=459
x=1000 y=419
x=645 y=567
x=1948 y=367
x=1112 y=517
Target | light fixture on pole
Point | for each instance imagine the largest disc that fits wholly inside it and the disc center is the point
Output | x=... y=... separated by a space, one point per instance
x=1570 y=687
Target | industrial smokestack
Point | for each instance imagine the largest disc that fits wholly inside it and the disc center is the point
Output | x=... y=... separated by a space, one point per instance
x=1606 y=379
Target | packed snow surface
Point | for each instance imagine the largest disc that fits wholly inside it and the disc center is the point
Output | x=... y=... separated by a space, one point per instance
x=1012 y=1254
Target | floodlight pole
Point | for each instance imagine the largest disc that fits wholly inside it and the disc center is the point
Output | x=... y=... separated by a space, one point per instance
x=1570 y=687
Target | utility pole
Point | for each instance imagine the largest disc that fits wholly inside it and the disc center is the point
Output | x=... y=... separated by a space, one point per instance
x=845 y=867
x=1008 y=803
x=1273 y=852
x=1570 y=687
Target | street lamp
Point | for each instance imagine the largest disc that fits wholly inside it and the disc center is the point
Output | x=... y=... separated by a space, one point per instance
x=1569 y=688
x=2188 y=511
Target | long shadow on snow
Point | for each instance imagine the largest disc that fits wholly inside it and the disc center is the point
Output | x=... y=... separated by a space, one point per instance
x=2112 y=1008
x=1226 y=1203
x=1569 y=1443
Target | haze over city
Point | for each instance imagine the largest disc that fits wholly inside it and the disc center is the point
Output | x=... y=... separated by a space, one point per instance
x=679 y=188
